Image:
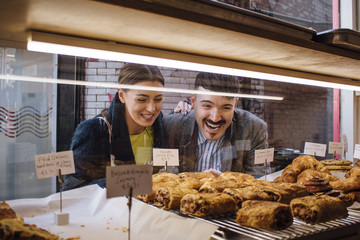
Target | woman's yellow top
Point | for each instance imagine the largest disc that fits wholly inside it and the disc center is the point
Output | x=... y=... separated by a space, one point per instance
x=142 y=145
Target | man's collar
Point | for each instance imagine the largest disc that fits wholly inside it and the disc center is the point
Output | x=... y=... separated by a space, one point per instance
x=201 y=138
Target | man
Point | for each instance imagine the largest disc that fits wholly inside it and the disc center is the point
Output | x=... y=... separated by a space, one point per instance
x=215 y=134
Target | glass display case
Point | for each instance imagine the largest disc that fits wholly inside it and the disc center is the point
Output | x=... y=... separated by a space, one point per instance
x=40 y=117
x=290 y=87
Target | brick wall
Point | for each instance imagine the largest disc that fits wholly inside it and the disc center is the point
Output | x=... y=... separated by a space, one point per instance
x=304 y=115
x=97 y=98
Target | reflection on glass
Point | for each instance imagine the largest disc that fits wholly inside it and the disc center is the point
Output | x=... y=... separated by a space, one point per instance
x=26 y=116
x=305 y=115
x=312 y=14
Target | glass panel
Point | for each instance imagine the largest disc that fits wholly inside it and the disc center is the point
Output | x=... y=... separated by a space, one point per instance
x=26 y=117
x=312 y=14
x=28 y=113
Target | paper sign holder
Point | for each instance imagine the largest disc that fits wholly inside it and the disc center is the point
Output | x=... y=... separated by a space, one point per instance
x=61 y=218
x=129 y=204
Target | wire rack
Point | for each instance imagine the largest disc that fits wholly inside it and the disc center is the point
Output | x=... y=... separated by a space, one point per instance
x=229 y=229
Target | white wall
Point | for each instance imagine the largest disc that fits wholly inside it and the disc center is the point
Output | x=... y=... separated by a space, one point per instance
x=349 y=103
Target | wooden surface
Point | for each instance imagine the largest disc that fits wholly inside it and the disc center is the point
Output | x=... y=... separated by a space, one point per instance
x=277 y=46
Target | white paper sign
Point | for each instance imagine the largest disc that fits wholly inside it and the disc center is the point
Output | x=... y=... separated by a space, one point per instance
x=357 y=151
x=264 y=155
x=335 y=147
x=315 y=149
x=345 y=142
x=163 y=156
x=119 y=180
x=48 y=165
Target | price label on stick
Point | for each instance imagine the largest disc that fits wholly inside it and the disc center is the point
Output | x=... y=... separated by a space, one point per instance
x=346 y=143
x=48 y=165
x=315 y=149
x=163 y=156
x=119 y=180
x=357 y=151
x=264 y=155
x=335 y=147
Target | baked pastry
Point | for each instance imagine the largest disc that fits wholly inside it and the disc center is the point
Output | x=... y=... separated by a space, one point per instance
x=289 y=191
x=355 y=195
x=316 y=209
x=310 y=173
x=197 y=175
x=207 y=204
x=252 y=193
x=164 y=177
x=6 y=212
x=355 y=171
x=317 y=184
x=170 y=197
x=347 y=199
x=330 y=162
x=237 y=176
x=218 y=185
x=264 y=215
x=339 y=168
x=149 y=198
x=348 y=184
x=337 y=165
x=190 y=182
x=299 y=164
x=12 y=227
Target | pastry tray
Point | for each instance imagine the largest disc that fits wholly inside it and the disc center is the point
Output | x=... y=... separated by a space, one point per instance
x=229 y=229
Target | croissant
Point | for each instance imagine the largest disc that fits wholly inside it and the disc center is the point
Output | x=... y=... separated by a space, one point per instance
x=310 y=173
x=355 y=195
x=300 y=164
x=355 y=171
x=347 y=184
x=348 y=199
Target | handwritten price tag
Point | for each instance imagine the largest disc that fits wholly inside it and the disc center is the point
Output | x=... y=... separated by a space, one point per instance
x=357 y=151
x=346 y=143
x=163 y=155
x=264 y=155
x=48 y=165
x=335 y=147
x=119 y=180
x=315 y=148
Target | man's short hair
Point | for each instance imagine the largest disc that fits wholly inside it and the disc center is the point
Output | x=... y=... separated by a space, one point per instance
x=217 y=82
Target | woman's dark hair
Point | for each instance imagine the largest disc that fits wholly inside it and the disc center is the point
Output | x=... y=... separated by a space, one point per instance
x=217 y=82
x=132 y=73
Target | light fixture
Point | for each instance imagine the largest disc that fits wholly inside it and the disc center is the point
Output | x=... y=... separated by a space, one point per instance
x=137 y=87
x=81 y=47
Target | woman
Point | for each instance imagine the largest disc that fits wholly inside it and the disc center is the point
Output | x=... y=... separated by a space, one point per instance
x=133 y=122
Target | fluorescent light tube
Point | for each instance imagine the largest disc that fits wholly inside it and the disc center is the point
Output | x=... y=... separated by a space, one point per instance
x=138 y=87
x=68 y=49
